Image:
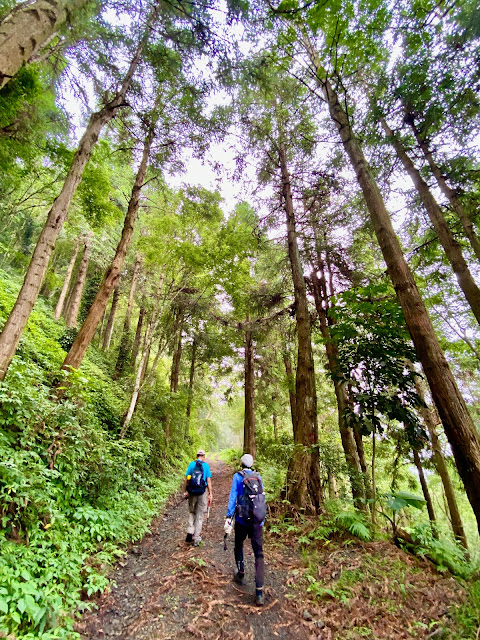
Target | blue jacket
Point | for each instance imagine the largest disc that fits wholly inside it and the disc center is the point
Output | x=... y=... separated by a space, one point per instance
x=235 y=491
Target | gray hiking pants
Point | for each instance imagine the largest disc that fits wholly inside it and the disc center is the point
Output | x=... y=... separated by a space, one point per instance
x=197 y=506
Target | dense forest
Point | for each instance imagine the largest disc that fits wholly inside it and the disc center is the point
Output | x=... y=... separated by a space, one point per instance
x=241 y=226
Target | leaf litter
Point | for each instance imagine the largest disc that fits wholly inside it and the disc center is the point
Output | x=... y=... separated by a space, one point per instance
x=166 y=590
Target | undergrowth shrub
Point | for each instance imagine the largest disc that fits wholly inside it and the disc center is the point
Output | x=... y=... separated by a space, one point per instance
x=72 y=494
x=336 y=523
x=467 y=615
x=445 y=553
x=272 y=462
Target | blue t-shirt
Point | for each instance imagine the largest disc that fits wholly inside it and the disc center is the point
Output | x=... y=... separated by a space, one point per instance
x=235 y=491
x=206 y=469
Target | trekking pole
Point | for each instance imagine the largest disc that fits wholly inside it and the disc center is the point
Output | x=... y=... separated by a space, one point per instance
x=225 y=536
x=180 y=501
x=208 y=516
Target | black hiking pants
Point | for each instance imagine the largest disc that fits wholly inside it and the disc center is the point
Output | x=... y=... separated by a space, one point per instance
x=255 y=533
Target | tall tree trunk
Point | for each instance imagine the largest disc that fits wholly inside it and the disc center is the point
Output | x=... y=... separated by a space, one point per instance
x=146 y=360
x=136 y=388
x=111 y=318
x=177 y=353
x=346 y=433
x=18 y=318
x=425 y=490
x=79 y=347
x=100 y=329
x=190 y=383
x=332 y=486
x=138 y=335
x=364 y=467
x=26 y=28
x=66 y=282
x=451 y=247
x=275 y=425
x=291 y=388
x=175 y=370
x=303 y=484
x=77 y=289
x=249 y=443
x=124 y=349
x=447 y=191
x=430 y=419
x=457 y=422
x=143 y=362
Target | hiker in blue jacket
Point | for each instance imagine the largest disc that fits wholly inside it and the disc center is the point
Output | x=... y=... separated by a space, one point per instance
x=246 y=527
x=198 y=483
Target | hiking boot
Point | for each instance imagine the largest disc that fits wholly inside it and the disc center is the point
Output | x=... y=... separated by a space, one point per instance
x=239 y=577
x=259 y=598
x=197 y=543
x=189 y=538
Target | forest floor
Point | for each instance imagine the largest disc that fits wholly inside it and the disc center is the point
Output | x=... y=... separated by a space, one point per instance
x=164 y=589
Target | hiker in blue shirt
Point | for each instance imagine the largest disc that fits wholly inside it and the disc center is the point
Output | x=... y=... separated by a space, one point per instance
x=198 y=490
x=252 y=528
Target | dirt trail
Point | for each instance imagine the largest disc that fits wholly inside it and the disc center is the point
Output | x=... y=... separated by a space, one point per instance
x=166 y=589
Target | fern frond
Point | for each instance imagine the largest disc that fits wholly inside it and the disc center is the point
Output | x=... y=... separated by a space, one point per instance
x=354 y=523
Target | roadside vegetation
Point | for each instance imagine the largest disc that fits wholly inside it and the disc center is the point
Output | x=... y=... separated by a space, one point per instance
x=326 y=321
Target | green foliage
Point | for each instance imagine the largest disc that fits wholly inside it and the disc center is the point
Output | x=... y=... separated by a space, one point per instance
x=337 y=522
x=395 y=502
x=354 y=522
x=272 y=462
x=398 y=500
x=467 y=615
x=96 y=191
x=71 y=494
x=445 y=553
x=342 y=589
x=67 y=338
x=374 y=348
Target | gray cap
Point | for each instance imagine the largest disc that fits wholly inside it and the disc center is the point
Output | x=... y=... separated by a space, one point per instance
x=247 y=460
x=200 y=452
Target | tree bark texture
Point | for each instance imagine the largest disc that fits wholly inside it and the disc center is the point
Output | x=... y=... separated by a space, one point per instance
x=424 y=485
x=107 y=336
x=249 y=443
x=26 y=28
x=291 y=388
x=431 y=419
x=18 y=318
x=457 y=422
x=363 y=465
x=452 y=249
x=177 y=353
x=110 y=279
x=77 y=289
x=447 y=191
x=332 y=486
x=303 y=484
x=66 y=282
x=124 y=349
x=143 y=362
x=138 y=335
x=100 y=329
x=346 y=433
x=191 y=379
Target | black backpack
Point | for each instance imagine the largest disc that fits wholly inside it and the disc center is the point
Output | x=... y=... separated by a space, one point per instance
x=197 y=485
x=251 y=505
